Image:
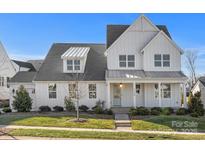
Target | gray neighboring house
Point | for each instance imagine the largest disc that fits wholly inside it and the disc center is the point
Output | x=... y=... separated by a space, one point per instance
x=140 y=65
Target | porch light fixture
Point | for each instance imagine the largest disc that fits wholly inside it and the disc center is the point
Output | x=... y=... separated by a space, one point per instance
x=120 y=85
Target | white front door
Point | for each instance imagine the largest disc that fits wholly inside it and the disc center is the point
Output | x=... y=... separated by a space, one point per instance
x=116 y=95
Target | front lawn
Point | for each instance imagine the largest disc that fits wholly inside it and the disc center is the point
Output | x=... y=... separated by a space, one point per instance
x=55 y=121
x=170 y=123
x=102 y=135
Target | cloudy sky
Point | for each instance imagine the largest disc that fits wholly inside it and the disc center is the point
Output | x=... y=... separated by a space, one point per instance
x=29 y=36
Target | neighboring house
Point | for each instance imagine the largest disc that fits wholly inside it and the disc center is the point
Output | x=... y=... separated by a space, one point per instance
x=200 y=87
x=21 y=66
x=36 y=63
x=140 y=65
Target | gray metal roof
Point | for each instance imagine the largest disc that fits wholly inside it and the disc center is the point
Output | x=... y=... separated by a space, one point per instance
x=52 y=67
x=202 y=79
x=23 y=77
x=140 y=74
x=114 y=31
x=36 y=63
x=25 y=64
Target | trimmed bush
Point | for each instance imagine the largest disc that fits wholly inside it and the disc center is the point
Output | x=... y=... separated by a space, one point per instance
x=181 y=111
x=132 y=111
x=108 y=111
x=83 y=108
x=44 y=109
x=69 y=105
x=6 y=110
x=98 y=110
x=195 y=105
x=167 y=110
x=142 y=111
x=159 y=109
x=22 y=101
x=58 y=108
x=194 y=114
x=155 y=112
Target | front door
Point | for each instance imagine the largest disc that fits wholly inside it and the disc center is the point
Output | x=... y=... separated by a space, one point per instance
x=116 y=95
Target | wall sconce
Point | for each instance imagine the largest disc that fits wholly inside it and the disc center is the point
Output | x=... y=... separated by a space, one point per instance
x=120 y=85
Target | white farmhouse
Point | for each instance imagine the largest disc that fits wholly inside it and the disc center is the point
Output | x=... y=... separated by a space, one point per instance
x=140 y=65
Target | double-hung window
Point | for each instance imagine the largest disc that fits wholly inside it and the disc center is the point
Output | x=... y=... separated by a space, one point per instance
x=157 y=60
x=166 y=91
x=137 y=86
x=126 y=61
x=72 y=91
x=162 y=60
x=1 y=81
x=52 y=91
x=122 y=61
x=73 y=65
x=131 y=60
x=166 y=60
x=92 y=91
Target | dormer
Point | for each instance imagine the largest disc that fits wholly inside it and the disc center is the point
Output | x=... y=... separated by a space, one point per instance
x=74 y=59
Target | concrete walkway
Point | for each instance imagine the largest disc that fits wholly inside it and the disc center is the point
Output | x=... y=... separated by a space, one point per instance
x=97 y=130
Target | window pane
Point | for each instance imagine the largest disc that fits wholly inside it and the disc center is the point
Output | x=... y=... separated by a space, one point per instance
x=69 y=62
x=166 y=63
x=52 y=94
x=131 y=64
x=157 y=57
x=77 y=67
x=122 y=57
x=77 y=62
x=137 y=88
x=166 y=57
x=122 y=64
x=69 y=67
x=157 y=63
x=131 y=57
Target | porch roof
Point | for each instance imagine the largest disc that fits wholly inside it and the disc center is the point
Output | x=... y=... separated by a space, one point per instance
x=140 y=74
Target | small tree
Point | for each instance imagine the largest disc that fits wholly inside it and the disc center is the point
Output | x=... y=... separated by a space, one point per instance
x=195 y=105
x=22 y=101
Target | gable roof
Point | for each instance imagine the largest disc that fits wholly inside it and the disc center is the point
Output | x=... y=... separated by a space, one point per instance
x=52 y=67
x=171 y=41
x=25 y=65
x=23 y=77
x=114 y=31
x=36 y=63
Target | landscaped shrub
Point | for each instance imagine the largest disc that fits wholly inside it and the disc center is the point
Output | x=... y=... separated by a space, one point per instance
x=22 y=101
x=83 y=108
x=157 y=108
x=194 y=114
x=167 y=110
x=142 y=111
x=181 y=111
x=69 y=105
x=44 y=109
x=58 y=108
x=4 y=104
x=155 y=111
x=6 y=110
x=195 y=105
x=98 y=110
x=108 y=111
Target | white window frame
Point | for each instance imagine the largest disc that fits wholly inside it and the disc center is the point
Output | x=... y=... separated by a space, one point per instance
x=92 y=91
x=52 y=91
x=123 y=61
x=72 y=88
x=166 y=60
x=163 y=91
x=69 y=65
x=158 y=60
x=162 y=60
x=138 y=89
x=130 y=61
x=73 y=64
x=126 y=61
x=2 y=82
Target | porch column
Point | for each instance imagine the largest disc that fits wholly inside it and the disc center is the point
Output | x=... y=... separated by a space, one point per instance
x=184 y=95
x=108 y=95
x=159 y=91
x=134 y=95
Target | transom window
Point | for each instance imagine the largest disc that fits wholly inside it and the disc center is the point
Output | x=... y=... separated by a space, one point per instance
x=127 y=60
x=52 y=91
x=92 y=91
x=1 y=81
x=72 y=91
x=73 y=65
x=162 y=60
x=137 y=88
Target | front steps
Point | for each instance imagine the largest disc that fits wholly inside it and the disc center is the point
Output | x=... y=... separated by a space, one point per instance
x=121 y=110
x=122 y=120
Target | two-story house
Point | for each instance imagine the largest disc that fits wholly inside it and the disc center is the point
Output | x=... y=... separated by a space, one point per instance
x=140 y=65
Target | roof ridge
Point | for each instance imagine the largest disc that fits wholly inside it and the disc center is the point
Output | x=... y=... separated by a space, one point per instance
x=86 y=43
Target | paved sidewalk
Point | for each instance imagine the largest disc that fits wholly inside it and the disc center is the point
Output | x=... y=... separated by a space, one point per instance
x=121 y=129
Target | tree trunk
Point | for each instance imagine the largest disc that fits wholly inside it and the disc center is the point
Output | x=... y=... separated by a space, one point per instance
x=78 y=110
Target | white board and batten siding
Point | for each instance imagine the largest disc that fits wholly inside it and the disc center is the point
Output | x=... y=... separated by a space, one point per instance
x=42 y=94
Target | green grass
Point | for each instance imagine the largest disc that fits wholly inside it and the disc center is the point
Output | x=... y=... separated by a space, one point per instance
x=101 y=135
x=164 y=123
x=56 y=121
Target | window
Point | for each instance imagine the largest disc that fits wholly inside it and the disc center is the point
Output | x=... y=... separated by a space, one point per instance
x=156 y=91
x=73 y=65
x=166 y=60
x=69 y=65
x=157 y=60
x=52 y=90
x=1 y=81
x=92 y=91
x=122 y=60
x=137 y=88
x=131 y=60
x=72 y=91
x=166 y=90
